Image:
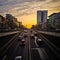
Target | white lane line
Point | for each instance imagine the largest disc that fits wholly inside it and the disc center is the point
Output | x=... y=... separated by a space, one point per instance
x=41 y=51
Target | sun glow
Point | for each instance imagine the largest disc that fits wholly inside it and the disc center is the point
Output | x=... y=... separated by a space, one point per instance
x=25 y=11
x=28 y=20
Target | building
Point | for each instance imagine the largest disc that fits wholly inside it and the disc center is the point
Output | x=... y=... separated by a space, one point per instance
x=3 y=24
x=42 y=19
x=12 y=21
x=41 y=16
x=55 y=20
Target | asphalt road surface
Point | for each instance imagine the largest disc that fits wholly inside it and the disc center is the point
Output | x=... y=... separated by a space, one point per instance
x=31 y=51
x=37 y=52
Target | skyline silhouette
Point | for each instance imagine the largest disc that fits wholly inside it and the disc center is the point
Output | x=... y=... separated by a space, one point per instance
x=25 y=10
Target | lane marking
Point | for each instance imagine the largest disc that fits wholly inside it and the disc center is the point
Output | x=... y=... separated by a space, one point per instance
x=41 y=51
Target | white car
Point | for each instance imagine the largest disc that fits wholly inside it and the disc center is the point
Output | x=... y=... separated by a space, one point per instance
x=25 y=31
x=18 y=58
x=39 y=41
x=20 y=38
x=32 y=35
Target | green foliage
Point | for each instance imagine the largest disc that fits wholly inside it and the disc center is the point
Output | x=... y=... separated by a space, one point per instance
x=50 y=20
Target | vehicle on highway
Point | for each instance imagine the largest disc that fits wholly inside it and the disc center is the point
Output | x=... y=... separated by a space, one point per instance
x=35 y=33
x=22 y=42
x=39 y=41
x=25 y=31
x=31 y=31
x=20 y=38
x=32 y=35
x=25 y=34
x=18 y=58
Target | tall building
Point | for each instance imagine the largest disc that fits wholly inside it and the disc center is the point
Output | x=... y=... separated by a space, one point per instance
x=41 y=16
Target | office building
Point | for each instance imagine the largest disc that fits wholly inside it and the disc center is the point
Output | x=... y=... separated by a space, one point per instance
x=41 y=16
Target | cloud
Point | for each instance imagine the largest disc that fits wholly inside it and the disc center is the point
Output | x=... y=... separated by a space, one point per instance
x=27 y=7
x=55 y=0
x=25 y=10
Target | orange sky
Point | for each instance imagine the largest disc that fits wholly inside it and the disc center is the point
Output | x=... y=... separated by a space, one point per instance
x=29 y=20
x=26 y=10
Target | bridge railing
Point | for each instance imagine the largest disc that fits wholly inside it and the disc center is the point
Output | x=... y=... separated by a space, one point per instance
x=6 y=41
x=52 y=40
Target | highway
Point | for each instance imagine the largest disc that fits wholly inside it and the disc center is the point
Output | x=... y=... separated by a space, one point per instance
x=32 y=50
x=49 y=50
x=13 y=47
x=37 y=51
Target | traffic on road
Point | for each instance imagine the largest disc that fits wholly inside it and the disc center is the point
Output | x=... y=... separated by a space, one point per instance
x=29 y=45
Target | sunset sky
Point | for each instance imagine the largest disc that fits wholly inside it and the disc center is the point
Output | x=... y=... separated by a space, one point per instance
x=25 y=10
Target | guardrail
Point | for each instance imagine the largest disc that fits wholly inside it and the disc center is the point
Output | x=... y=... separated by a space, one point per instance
x=50 y=33
x=55 y=49
x=3 y=50
x=8 y=33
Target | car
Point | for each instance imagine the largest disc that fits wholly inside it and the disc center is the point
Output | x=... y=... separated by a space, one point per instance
x=18 y=58
x=39 y=41
x=32 y=36
x=25 y=31
x=35 y=34
x=20 y=38
x=31 y=31
x=25 y=34
x=22 y=42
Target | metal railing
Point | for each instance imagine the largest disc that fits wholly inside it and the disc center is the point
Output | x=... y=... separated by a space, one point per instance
x=51 y=46
x=3 y=50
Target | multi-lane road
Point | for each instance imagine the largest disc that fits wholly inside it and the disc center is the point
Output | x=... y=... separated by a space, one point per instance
x=37 y=50
x=32 y=49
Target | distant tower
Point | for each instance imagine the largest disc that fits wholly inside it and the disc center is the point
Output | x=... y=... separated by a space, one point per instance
x=41 y=16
